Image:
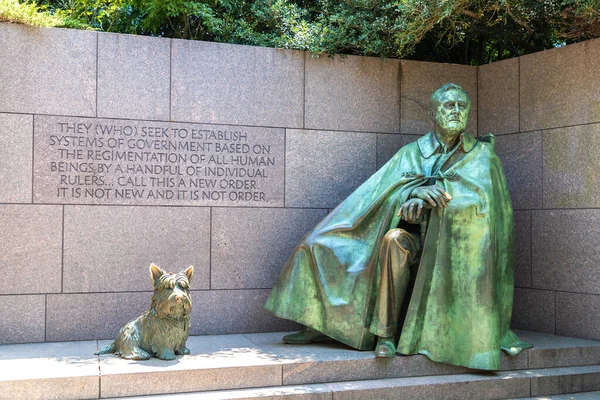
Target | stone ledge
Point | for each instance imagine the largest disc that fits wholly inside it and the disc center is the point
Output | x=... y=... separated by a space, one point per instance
x=226 y=362
x=568 y=396
x=480 y=386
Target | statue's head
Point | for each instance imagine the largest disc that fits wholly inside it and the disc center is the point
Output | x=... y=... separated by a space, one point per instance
x=450 y=106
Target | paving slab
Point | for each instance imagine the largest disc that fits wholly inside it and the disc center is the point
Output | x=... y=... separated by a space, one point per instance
x=300 y=392
x=448 y=387
x=570 y=396
x=65 y=370
x=335 y=362
x=215 y=363
x=550 y=381
x=552 y=351
x=222 y=365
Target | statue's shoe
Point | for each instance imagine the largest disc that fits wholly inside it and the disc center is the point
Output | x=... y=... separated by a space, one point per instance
x=304 y=337
x=385 y=347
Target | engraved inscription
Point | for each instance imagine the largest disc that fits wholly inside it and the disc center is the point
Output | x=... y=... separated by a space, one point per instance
x=104 y=161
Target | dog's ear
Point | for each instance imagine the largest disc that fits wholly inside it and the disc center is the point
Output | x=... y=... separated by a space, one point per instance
x=189 y=272
x=155 y=273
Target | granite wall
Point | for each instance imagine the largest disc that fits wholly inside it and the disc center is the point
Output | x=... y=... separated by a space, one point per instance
x=545 y=110
x=118 y=151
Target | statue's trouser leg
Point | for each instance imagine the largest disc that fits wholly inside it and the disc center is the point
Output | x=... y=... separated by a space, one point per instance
x=397 y=252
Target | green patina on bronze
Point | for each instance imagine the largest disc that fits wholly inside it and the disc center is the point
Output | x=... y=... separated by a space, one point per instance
x=163 y=330
x=460 y=308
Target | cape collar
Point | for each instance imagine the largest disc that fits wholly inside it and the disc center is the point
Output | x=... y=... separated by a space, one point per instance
x=429 y=145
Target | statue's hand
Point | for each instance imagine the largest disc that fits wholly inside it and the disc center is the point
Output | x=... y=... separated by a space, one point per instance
x=412 y=210
x=434 y=195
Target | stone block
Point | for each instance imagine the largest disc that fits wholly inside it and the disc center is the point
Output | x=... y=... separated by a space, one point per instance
x=232 y=84
x=335 y=362
x=108 y=161
x=510 y=363
x=324 y=167
x=133 y=76
x=564 y=380
x=570 y=167
x=250 y=245
x=49 y=389
x=30 y=249
x=388 y=145
x=16 y=135
x=498 y=97
x=300 y=392
x=109 y=249
x=576 y=315
x=550 y=351
x=215 y=363
x=419 y=80
x=558 y=87
x=49 y=371
x=565 y=250
x=534 y=310
x=47 y=71
x=234 y=311
x=521 y=156
x=523 y=249
x=92 y=315
x=23 y=319
x=450 y=387
x=352 y=94
x=568 y=396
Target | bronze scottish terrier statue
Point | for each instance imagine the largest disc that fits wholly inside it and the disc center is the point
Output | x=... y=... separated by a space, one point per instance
x=163 y=330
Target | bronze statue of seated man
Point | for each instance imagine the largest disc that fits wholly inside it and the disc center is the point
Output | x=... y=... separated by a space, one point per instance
x=419 y=259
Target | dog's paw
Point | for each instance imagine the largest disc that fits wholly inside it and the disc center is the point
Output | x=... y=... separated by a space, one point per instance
x=165 y=354
x=137 y=354
x=182 y=351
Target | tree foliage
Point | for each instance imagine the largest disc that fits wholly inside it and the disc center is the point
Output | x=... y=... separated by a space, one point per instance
x=461 y=31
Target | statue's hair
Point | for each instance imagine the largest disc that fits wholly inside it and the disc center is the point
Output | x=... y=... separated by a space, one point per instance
x=436 y=97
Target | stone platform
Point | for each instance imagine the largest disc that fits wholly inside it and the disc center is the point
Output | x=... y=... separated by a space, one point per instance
x=258 y=365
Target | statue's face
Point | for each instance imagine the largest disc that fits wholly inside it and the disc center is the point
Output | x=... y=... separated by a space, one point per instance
x=452 y=113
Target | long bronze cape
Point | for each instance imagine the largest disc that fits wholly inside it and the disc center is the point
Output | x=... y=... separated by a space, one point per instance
x=460 y=309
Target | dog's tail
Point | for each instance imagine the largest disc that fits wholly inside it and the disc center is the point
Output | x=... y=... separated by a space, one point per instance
x=111 y=348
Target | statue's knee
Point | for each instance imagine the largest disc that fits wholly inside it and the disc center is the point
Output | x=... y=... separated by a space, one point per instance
x=403 y=239
x=395 y=234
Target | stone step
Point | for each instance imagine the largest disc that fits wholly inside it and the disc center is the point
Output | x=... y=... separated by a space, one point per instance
x=483 y=386
x=569 y=396
x=226 y=362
